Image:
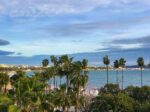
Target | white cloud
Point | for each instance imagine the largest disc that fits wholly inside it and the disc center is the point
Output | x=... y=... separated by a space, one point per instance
x=53 y=7
x=130 y=46
x=47 y=7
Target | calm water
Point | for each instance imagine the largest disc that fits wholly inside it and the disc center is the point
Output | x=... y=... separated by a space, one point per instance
x=98 y=78
x=131 y=77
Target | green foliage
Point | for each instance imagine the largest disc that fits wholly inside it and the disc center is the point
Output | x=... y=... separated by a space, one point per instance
x=13 y=108
x=33 y=94
x=45 y=62
x=108 y=102
x=140 y=62
x=140 y=94
x=84 y=63
x=141 y=107
x=5 y=102
x=148 y=65
x=116 y=64
x=132 y=99
x=110 y=88
x=106 y=60
x=4 y=79
x=122 y=62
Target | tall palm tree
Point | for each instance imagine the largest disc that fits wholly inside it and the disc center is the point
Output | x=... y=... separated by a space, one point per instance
x=45 y=62
x=66 y=63
x=54 y=60
x=78 y=81
x=116 y=66
x=62 y=99
x=122 y=65
x=106 y=61
x=140 y=63
x=4 y=79
x=84 y=63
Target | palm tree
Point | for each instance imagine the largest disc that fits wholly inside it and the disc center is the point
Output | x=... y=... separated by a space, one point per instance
x=140 y=63
x=149 y=65
x=84 y=63
x=122 y=65
x=66 y=63
x=27 y=91
x=78 y=81
x=45 y=62
x=54 y=60
x=4 y=79
x=106 y=61
x=62 y=99
x=116 y=66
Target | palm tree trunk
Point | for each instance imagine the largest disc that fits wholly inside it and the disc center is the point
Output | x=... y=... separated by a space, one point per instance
x=64 y=109
x=107 y=75
x=60 y=82
x=77 y=101
x=117 y=81
x=54 y=82
x=50 y=83
x=122 y=78
x=67 y=83
x=141 y=77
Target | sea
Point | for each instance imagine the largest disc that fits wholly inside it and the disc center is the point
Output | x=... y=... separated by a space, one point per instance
x=98 y=78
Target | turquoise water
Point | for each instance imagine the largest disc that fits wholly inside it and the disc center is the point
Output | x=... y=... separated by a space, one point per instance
x=98 y=79
x=131 y=77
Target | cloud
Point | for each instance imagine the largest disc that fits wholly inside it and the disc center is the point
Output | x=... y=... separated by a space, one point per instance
x=77 y=41
x=5 y=53
x=4 y=42
x=55 y=7
x=47 y=7
x=81 y=29
x=133 y=44
x=75 y=29
x=144 y=41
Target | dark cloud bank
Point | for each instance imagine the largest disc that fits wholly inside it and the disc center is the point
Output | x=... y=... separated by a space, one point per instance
x=4 y=42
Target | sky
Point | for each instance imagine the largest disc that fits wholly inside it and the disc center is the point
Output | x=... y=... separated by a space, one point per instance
x=31 y=30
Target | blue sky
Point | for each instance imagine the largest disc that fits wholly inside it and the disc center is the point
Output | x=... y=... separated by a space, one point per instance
x=31 y=28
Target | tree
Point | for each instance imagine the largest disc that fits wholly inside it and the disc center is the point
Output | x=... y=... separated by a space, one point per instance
x=110 y=88
x=106 y=61
x=45 y=62
x=111 y=103
x=78 y=81
x=13 y=108
x=116 y=66
x=122 y=65
x=55 y=62
x=66 y=63
x=84 y=63
x=140 y=63
x=140 y=94
x=26 y=93
x=62 y=99
x=149 y=65
x=5 y=102
x=4 y=79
